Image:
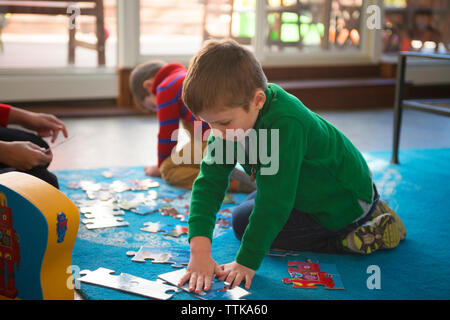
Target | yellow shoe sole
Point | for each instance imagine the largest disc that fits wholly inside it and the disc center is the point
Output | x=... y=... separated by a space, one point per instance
x=383 y=208
x=381 y=233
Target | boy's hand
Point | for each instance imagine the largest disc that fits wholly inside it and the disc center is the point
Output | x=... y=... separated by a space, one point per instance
x=234 y=273
x=152 y=171
x=202 y=266
x=200 y=272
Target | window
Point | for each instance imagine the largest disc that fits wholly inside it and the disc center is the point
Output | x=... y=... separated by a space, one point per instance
x=322 y=31
x=416 y=25
x=171 y=26
x=30 y=39
x=313 y=25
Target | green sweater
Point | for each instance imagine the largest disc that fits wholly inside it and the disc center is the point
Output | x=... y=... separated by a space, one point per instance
x=320 y=172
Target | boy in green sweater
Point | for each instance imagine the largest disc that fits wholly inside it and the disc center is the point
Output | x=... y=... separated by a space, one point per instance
x=314 y=192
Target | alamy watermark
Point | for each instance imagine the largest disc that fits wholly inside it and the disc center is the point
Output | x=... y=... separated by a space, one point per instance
x=257 y=150
x=72 y=280
x=374 y=15
x=74 y=10
x=374 y=280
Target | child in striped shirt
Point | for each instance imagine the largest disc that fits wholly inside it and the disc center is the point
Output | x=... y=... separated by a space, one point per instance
x=156 y=86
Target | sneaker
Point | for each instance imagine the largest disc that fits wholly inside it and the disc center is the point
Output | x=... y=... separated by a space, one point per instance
x=241 y=182
x=382 y=208
x=381 y=232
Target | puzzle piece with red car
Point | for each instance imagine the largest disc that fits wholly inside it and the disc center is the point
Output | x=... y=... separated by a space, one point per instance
x=310 y=274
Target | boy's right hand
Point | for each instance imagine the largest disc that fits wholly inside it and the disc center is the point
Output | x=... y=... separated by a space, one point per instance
x=202 y=266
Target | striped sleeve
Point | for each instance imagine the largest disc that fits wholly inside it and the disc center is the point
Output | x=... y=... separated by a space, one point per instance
x=167 y=98
x=4 y=114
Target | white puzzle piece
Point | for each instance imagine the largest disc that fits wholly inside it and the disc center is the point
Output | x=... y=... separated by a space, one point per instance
x=128 y=283
x=102 y=217
x=153 y=227
x=218 y=291
x=177 y=258
x=119 y=186
x=98 y=223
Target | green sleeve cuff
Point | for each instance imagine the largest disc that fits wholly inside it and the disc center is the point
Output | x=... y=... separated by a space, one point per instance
x=200 y=228
x=249 y=258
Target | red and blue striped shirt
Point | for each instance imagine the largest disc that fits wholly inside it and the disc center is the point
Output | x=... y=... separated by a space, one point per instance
x=170 y=109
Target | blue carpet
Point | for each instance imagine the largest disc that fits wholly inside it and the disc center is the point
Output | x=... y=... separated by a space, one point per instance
x=419 y=268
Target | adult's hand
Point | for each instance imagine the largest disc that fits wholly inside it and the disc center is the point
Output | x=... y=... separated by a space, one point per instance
x=23 y=155
x=45 y=125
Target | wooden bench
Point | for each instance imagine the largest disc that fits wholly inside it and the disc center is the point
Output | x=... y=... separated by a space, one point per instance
x=60 y=7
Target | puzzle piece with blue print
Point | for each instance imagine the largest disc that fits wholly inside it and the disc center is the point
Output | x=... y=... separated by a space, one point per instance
x=176 y=257
x=219 y=290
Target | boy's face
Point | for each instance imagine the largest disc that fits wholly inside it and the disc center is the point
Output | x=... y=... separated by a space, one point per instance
x=149 y=101
x=233 y=123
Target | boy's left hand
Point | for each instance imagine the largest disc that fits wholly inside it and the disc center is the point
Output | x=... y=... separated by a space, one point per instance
x=235 y=273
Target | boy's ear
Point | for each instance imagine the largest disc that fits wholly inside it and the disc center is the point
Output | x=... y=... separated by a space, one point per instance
x=259 y=99
x=147 y=85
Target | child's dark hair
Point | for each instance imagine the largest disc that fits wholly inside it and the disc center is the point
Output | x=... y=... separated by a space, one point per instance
x=222 y=74
x=139 y=74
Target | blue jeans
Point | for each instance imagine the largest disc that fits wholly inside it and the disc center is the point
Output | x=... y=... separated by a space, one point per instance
x=301 y=232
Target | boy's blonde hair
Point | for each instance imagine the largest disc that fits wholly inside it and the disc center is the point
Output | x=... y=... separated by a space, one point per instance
x=141 y=73
x=222 y=74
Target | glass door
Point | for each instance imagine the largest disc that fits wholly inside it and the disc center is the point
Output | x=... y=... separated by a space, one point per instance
x=280 y=32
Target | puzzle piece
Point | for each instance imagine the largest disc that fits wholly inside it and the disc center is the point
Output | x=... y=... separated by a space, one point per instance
x=223 y=223
x=99 y=223
x=228 y=199
x=144 y=184
x=147 y=208
x=168 y=211
x=88 y=185
x=100 y=211
x=177 y=258
x=152 y=195
x=331 y=269
x=282 y=253
x=108 y=174
x=73 y=185
x=177 y=232
x=119 y=186
x=153 y=227
x=128 y=283
x=99 y=216
x=309 y=275
x=224 y=218
x=219 y=290
x=183 y=216
x=131 y=201
x=102 y=195
x=226 y=213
